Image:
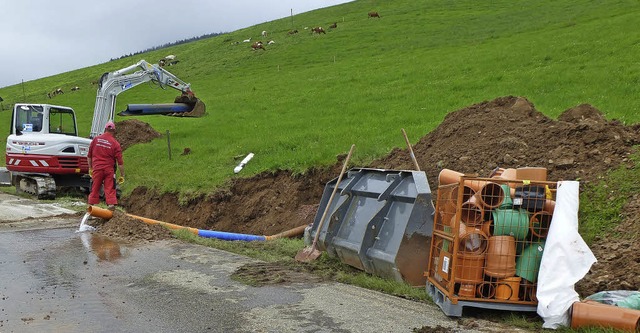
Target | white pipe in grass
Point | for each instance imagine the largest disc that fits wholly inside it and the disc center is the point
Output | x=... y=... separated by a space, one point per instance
x=243 y=163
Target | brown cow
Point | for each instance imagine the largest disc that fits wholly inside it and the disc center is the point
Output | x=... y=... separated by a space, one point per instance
x=257 y=45
x=374 y=14
x=318 y=30
x=57 y=91
x=334 y=25
x=292 y=32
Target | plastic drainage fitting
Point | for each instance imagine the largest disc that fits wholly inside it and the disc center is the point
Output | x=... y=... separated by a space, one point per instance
x=491 y=195
x=591 y=313
x=447 y=177
x=511 y=222
x=100 y=212
x=471 y=212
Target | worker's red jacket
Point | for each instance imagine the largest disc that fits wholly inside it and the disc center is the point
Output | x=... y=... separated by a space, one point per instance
x=103 y=151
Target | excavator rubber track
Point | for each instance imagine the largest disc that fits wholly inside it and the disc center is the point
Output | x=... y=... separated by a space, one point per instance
x=42 y=187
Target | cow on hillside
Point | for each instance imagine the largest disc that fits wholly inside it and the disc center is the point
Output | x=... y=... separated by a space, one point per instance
x=57 y=91
x=257 y=45
x=374 y=14
x=318 y=30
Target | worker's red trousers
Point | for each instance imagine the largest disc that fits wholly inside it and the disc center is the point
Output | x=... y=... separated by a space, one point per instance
x=99 y=177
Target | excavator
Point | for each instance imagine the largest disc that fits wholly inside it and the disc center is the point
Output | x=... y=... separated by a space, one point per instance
x=44 y=153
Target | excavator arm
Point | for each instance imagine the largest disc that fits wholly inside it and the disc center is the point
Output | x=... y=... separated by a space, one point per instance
x=114 y=83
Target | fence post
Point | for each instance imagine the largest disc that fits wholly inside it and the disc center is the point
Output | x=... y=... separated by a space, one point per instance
x=169 y=143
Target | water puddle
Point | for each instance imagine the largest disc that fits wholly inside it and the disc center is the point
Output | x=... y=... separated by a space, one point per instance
x=104 y=248
x=57 y=279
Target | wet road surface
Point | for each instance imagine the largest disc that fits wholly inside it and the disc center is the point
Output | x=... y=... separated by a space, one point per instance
x=54 y=279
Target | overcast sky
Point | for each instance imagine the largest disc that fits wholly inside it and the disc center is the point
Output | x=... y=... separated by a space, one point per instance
x=41 y=38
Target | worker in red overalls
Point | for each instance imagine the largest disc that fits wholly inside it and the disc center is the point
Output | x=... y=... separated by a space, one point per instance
x=104 y=153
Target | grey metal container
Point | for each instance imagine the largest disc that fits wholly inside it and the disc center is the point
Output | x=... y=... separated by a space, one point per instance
x=381 y=223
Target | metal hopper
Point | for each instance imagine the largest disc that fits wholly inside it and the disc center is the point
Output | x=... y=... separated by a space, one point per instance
x=381 y=223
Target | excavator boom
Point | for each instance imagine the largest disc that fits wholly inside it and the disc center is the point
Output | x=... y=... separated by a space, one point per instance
x=114 y=83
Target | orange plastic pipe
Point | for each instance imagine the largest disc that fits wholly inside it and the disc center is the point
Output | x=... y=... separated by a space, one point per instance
x=532 y=173
x=107 y=215
x=590 y=314
x=165 y=224
x=100 y=212
x=448 y=176
x=472 y=213
x=524 y=173
x=297 y=231
x=507 y=174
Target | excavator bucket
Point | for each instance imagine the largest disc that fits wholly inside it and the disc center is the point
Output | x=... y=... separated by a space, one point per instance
x=381 y=223
x=184 y=106
x=198 y=108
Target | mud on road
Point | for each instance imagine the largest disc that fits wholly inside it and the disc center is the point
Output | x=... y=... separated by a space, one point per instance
x=56 y=279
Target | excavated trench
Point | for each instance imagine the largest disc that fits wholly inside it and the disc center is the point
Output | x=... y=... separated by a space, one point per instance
x=507 y=132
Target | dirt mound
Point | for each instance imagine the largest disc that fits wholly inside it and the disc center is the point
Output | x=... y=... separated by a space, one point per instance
x=261 y=274
x=506 y=132
x=582 y=112
x=509 y=132
x=124 y=227
x=618 y=266
x=131 y=132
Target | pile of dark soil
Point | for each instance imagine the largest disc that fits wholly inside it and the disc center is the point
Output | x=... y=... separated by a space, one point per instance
x=130 y=132
x=126 y=228
x=618 y=266
x=507 y=132
x=262 y=273
x=510 y=133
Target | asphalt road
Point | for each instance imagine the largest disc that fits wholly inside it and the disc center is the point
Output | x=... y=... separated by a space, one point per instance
x=55 y=279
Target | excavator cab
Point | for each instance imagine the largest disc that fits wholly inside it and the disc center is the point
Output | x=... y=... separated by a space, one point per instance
x=27 y=118
x=44 y=152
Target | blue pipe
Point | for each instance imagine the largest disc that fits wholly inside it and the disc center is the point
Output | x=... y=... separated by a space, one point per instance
x=148 y=109
x=230 y=235
x=107 y=214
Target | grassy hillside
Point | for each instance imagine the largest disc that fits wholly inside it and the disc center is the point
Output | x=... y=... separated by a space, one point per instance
x=309 y=97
